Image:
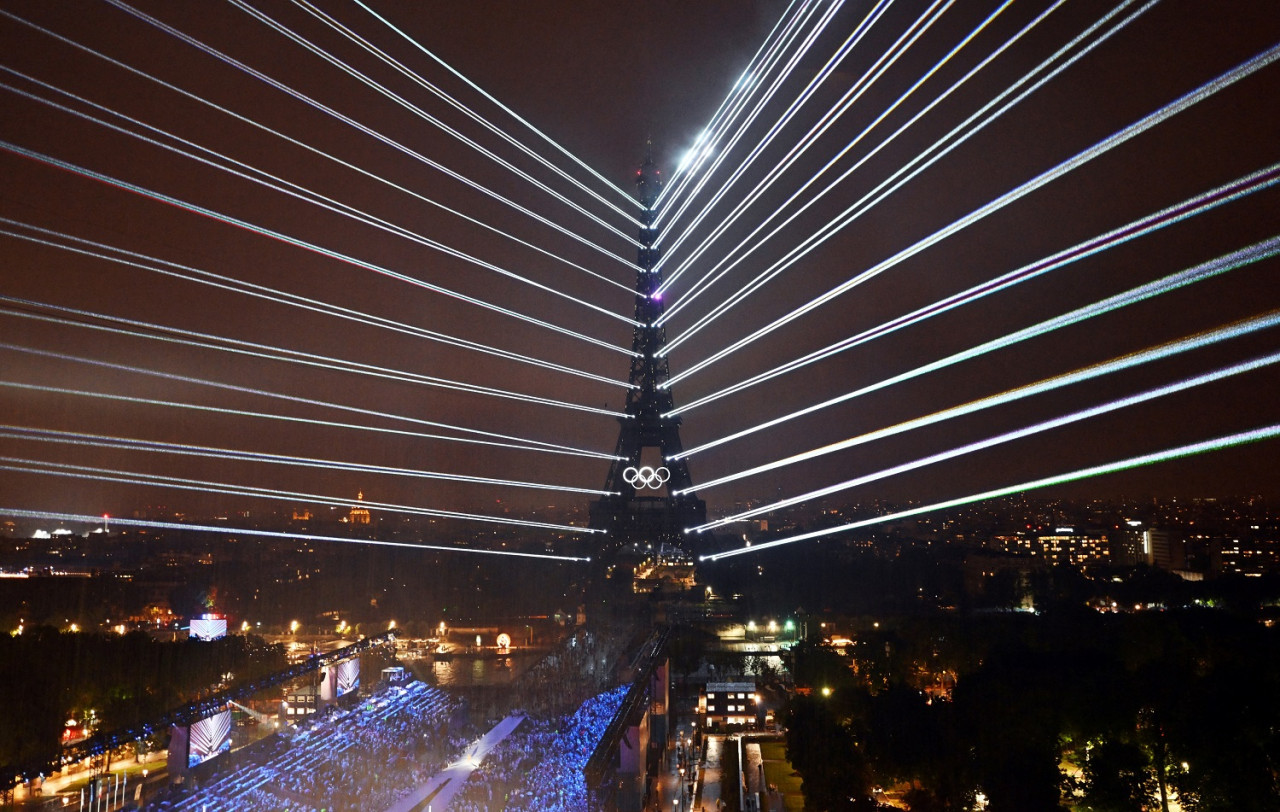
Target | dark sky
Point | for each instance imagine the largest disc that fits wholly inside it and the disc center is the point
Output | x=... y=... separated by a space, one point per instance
x=601 y=78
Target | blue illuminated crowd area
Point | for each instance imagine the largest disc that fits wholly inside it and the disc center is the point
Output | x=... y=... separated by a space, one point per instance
x=362 y=758
x=539 y=768
x=371 y=756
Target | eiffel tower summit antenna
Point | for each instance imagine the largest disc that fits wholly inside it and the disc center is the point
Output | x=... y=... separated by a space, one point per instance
x=652 y=497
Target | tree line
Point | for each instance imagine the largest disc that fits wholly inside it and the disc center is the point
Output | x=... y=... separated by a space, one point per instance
x=1070 y=710
x=48 y=677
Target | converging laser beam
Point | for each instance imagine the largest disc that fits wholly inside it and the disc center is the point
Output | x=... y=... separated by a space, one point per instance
x=156 y=446
x=313 y=103
x=1201 y=93
x=304 y=244
x=758 y=66
x=417 y=79
x=297 y=191
x=825 y=232
x=500 y=105
x=1178 y=452
x=740 y=131
x=1199 y=204
x=517 y=442
x=202 y=277
x=97 y=474
x=149 y=524
x=527 y=212
x=827 y=120
x=990 y=442
x=547 y=448
x=173 y=335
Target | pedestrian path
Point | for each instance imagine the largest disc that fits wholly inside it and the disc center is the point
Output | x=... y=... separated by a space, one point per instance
x=753 y=769
x=436 y=793
x=711 y=774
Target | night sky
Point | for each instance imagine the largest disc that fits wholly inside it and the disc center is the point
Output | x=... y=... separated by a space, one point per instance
x=602 y=79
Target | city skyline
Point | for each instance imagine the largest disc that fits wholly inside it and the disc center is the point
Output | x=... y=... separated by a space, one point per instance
x=603 y=82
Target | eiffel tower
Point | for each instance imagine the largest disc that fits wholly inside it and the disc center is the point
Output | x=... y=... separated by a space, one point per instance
x=653 y=497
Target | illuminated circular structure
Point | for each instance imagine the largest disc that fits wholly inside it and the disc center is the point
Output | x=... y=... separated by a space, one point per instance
x=646 y=477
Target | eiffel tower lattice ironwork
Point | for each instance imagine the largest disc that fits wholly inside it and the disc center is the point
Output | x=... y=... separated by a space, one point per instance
x=652 y=495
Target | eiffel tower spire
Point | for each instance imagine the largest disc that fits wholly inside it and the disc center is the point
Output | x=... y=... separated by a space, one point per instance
x=644 y=477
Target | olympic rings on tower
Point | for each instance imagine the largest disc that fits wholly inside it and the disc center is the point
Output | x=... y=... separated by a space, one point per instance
x=646 y=477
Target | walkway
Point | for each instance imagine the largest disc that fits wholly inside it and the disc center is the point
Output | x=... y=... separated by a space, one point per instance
x=435 y=795
x=711 y=776
x=753 y=769
x=669 y=795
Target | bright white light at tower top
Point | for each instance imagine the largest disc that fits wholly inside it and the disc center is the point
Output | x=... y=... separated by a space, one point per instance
x=695 y=155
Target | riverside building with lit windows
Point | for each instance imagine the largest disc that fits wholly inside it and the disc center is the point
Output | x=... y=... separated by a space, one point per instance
x=729 y=704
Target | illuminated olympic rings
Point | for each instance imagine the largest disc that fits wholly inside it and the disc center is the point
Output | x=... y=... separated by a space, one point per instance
x=646 y=477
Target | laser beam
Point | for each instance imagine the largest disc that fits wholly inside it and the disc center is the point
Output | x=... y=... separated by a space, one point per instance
x=740 y=130
x=150 y=524
x=313 y=103
x=200 y=276
x=173 y=335
x=395 y=145
x=714 y=274
x=1047 y=385
x=745 y=82
x=417 y=79
x=304 y=244
x=523 y=442
x=728 y=112
x=135 y=444
x=1206 y=90
x=547 y=448
x=822 y=125
x=914 y=165
x=1198 y=204
x=882 y=64
x=279 y=184
x=97 y=474
x=500 y=105
x=1177 y=452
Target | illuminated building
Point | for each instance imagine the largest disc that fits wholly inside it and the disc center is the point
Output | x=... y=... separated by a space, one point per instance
x=1247 y=556
x=359 y=514
x=1164 y=550
x=1063 y=546
x=729 y=704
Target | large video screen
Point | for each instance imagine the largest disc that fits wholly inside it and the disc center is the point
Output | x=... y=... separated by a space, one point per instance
x=348 y=676
x=208 y=627
x=209 y=737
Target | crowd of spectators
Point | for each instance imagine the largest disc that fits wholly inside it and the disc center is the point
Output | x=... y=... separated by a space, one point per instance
x=577 y=669
x=365 y=757
x=371 y=755
x=539 y=767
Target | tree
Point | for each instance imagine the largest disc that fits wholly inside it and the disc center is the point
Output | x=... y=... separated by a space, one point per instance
x=822 y=749
x=1010 y=712
x=1118 y=777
